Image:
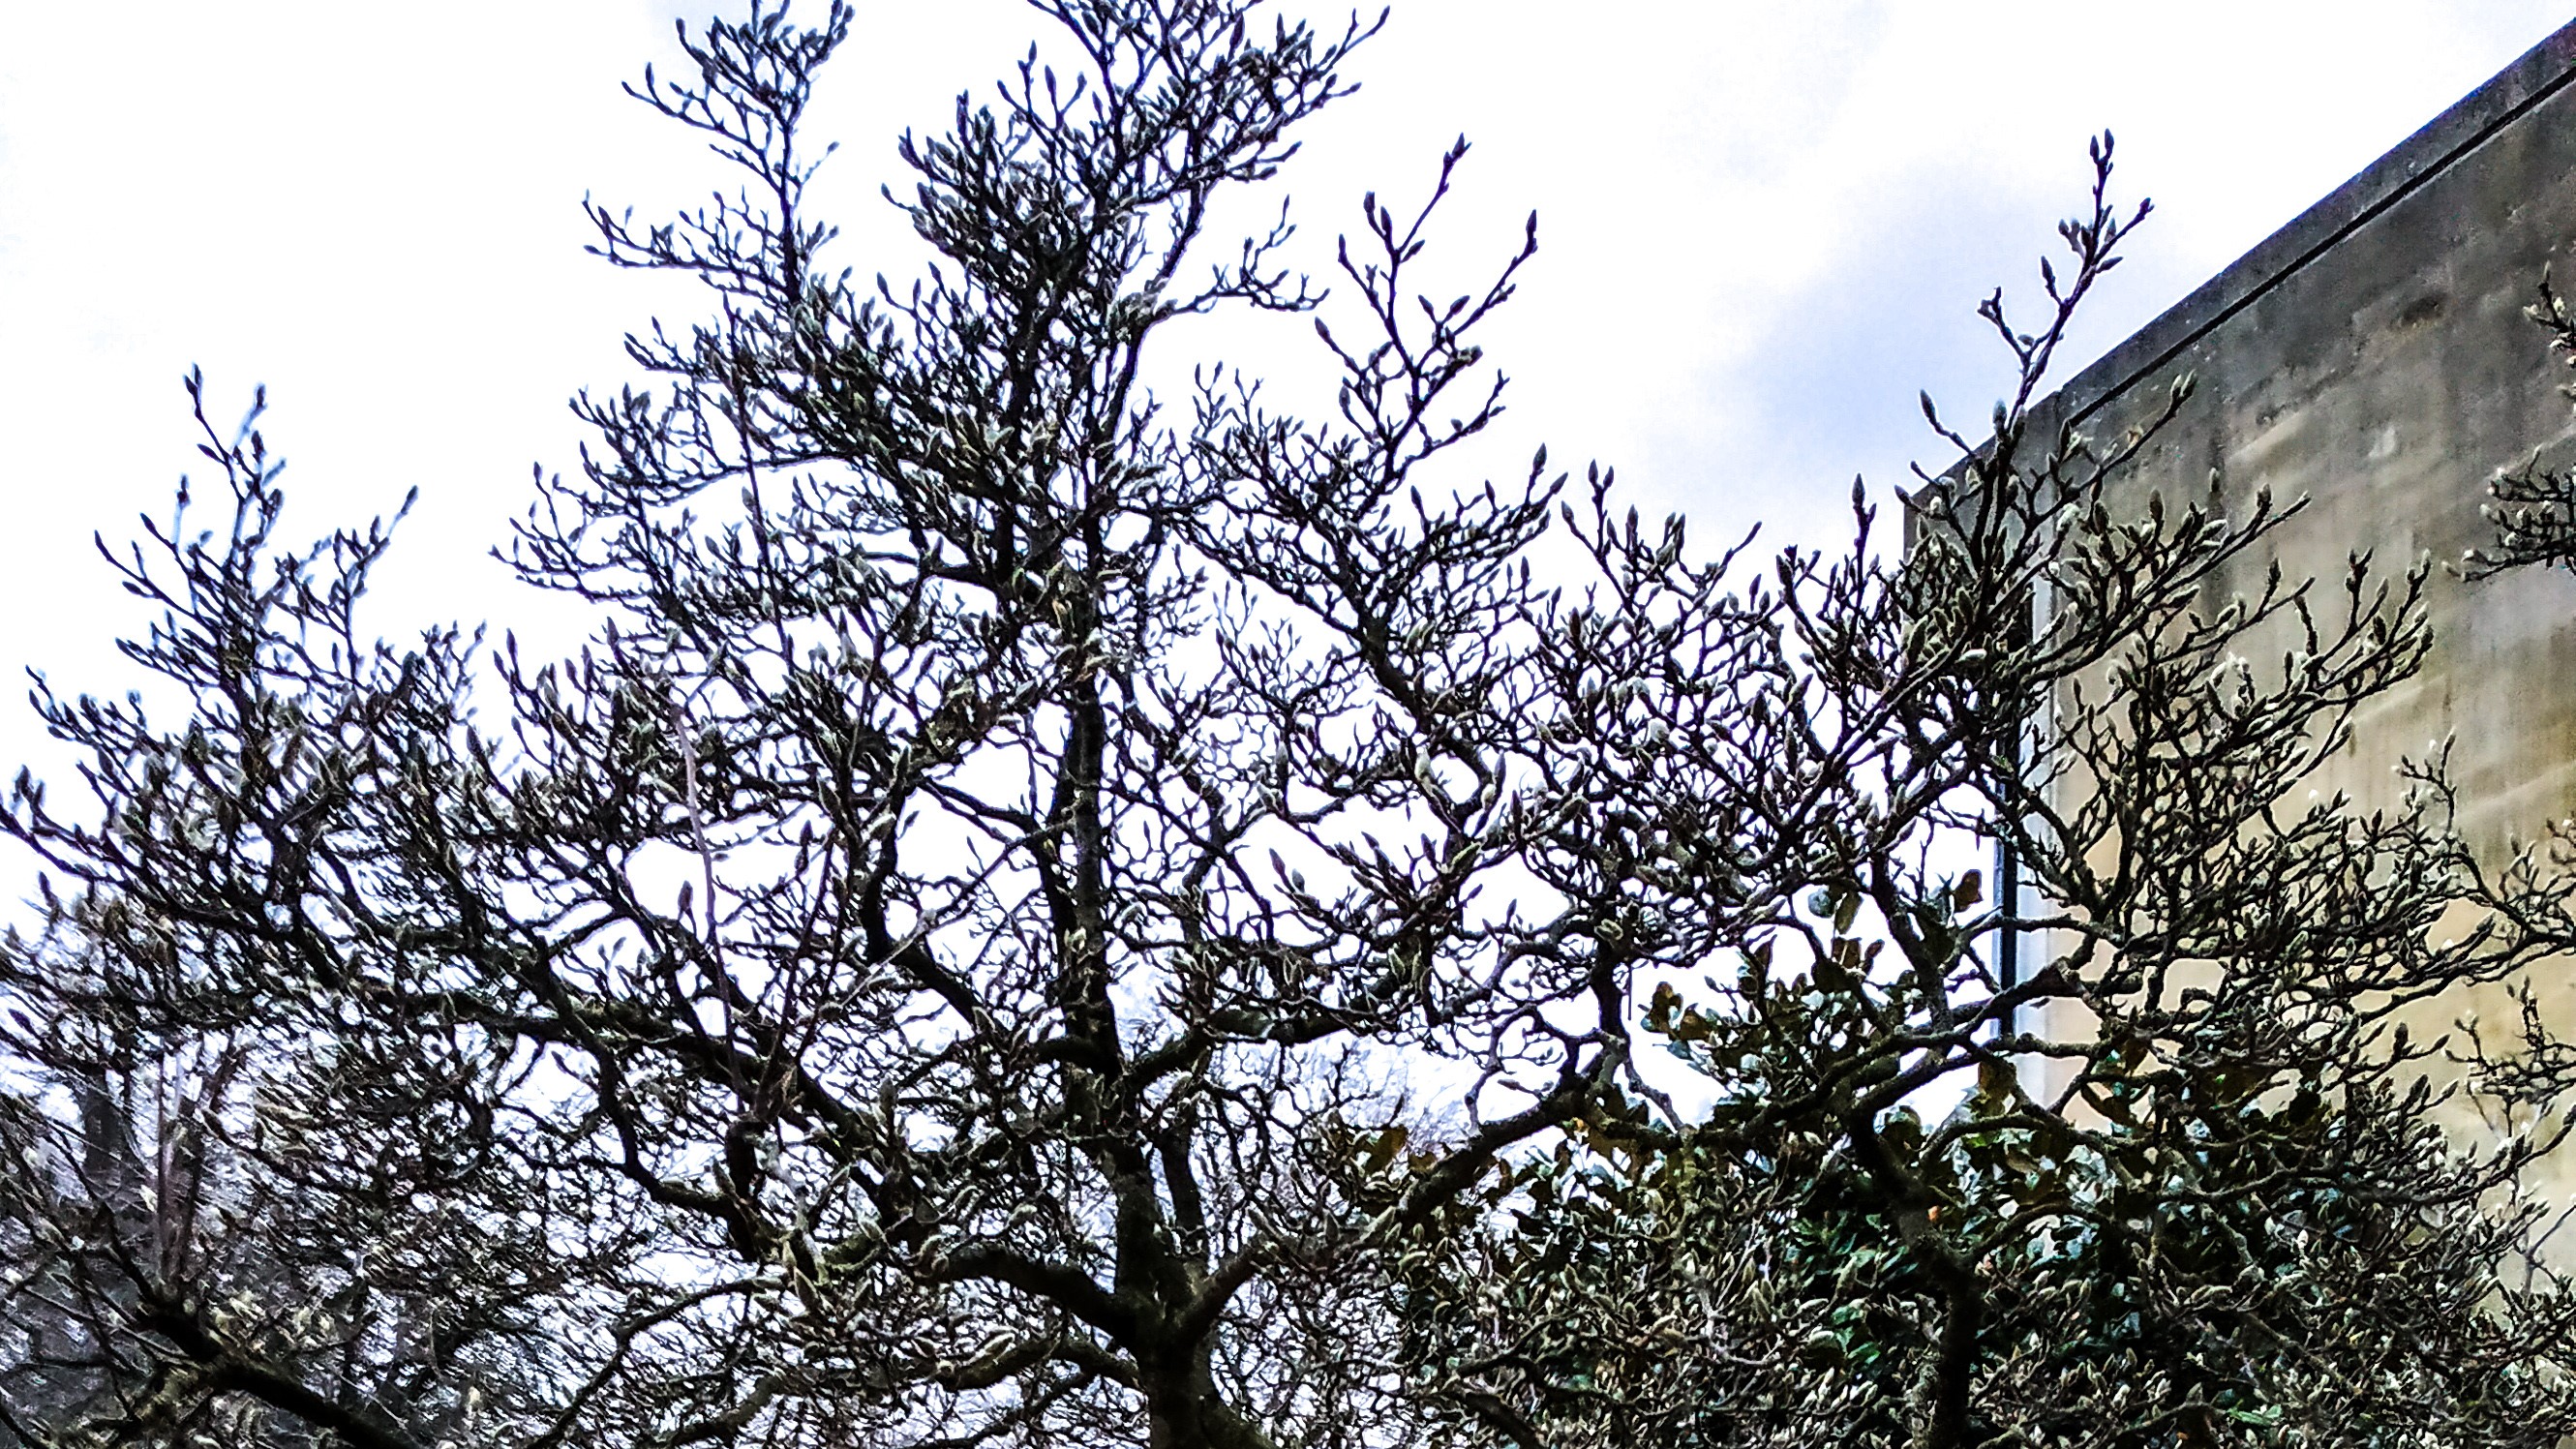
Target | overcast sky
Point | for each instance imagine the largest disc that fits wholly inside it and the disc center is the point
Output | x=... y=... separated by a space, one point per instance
x=1764 y=225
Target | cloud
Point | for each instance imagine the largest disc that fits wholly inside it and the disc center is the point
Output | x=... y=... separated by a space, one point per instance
x=1765 y=225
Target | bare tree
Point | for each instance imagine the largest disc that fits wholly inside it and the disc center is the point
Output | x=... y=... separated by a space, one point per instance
x=2223 y=1215
x=944 y=964
x=927 y=972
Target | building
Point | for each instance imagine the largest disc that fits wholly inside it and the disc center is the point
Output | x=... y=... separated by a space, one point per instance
x=2372 y=357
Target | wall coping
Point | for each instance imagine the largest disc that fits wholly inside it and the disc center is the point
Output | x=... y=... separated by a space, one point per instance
x=2541 y=72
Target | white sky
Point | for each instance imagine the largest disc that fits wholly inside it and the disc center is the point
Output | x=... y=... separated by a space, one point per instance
x=1765 y=225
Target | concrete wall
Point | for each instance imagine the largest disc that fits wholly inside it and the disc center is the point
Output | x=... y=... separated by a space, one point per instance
x=2372 y=357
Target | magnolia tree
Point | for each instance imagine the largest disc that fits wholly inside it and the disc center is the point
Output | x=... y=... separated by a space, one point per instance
x=913 y=978
x=934 y=970
x=2220 y=1213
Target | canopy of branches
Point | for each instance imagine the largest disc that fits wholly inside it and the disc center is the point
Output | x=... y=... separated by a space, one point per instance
x=1064 y=904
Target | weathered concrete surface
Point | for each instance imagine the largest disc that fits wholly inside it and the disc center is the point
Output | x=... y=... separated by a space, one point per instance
x=2372 y=358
